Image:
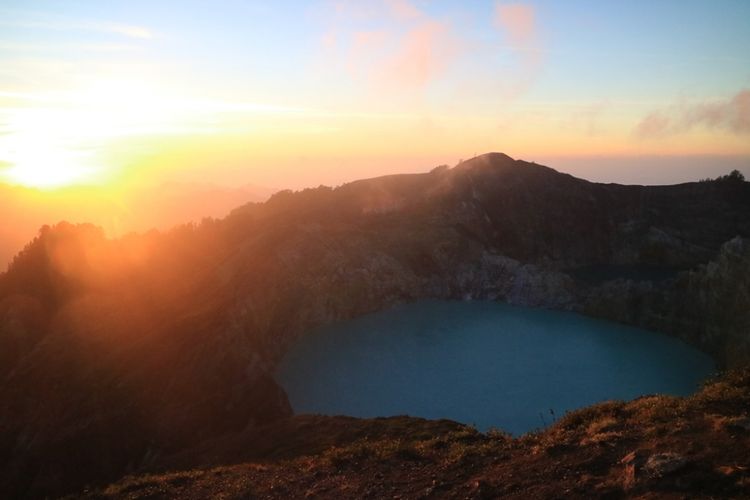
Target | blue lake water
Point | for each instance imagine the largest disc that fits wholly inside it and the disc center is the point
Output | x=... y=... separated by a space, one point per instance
x=482 y=363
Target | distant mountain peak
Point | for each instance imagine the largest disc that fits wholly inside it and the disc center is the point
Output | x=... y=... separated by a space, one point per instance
x=492 y=158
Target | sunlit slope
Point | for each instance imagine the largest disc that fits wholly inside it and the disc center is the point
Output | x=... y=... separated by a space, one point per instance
x=117 y=211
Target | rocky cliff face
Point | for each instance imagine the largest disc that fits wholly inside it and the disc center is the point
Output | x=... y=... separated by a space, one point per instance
x=115 y=352
x=708 y=306
x=498 y=229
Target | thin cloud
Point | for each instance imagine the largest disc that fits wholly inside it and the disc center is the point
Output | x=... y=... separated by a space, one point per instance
x=728 y=115
x=587 y=118
x=655 y=124
x=423 y=55
x=49 y=47
x=518 y=21
x=396 y=46
x=518 y=25
x=126 y=30
x=187 y=105
x=407 y=51
x=403 y=10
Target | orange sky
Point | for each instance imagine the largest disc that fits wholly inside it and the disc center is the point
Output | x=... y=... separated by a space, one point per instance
x=122 y=97
x=292 y=95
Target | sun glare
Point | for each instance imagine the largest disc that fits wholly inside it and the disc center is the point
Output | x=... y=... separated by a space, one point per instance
x=49 y=169
x=56 y=141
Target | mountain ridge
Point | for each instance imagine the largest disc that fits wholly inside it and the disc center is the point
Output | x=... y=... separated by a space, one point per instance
x=120 y=334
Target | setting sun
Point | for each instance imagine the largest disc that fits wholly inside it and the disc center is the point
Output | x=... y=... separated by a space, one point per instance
x=48 y=169
x=56 y=139
x=351 y=91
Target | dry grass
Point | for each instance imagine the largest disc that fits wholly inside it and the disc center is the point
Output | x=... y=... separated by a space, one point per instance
x=580 y=456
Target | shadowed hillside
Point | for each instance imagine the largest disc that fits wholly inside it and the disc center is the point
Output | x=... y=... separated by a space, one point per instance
x=653 y=447
x=118 y=353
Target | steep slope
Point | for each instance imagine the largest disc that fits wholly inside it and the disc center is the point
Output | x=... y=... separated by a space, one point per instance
x=113 y=352
x=119 y=352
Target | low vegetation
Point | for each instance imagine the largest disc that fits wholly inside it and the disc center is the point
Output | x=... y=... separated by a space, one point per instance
x=733 y=176
x=652 y=447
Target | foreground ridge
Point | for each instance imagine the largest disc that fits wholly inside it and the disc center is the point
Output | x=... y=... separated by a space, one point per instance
x=655 y=446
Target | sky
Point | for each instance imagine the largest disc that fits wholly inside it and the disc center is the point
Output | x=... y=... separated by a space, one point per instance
x=289 y=94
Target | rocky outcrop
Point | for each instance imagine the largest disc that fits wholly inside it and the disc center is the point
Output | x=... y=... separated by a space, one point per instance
x=117 y=352
x=641 y=467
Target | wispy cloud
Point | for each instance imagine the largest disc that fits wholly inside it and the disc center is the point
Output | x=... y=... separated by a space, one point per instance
x=166 y=103
x=407 y=50
x=61 y=47
x=587 y=118
x=64 y=24
x=424 y=52
x=404 y=10
x=518 y=21
x=729 y=115
x=26 y=96
x=124 y=29
x=518 y=25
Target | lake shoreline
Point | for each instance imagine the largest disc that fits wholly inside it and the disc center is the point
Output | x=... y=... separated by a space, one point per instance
x=482 y=363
